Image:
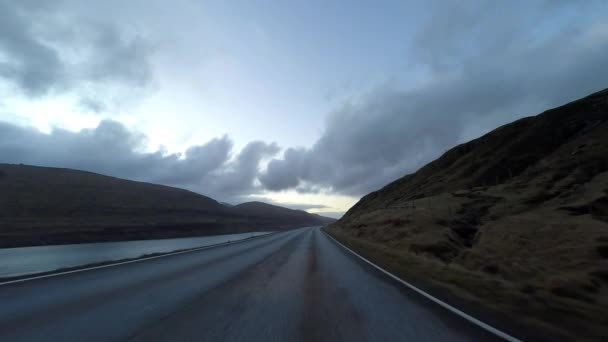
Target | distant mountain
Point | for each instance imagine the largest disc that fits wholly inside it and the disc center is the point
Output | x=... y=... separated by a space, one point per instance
x=516 y=219
x=42 y=205
x=324 y=220
x=260 y=213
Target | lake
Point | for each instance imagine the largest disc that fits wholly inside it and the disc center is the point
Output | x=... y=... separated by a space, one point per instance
x=26 y=260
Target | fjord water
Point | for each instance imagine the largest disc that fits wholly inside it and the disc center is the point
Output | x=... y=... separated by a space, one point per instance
x=26 y=260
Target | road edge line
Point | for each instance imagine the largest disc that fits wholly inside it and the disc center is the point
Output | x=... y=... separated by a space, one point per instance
x=118 y=263
x=445 y=305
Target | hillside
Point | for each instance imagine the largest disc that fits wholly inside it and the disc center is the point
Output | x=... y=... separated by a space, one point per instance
x=515 y=221
x=41 y=205
x=260 y=213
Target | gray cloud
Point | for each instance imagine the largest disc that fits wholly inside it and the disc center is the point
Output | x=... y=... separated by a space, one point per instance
x=33 y=66
x=486 y=66
x=238 y=178
x=42 y=52
x=112 y=149
x=482 y=64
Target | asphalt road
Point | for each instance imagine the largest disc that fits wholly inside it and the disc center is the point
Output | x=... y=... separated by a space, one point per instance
x=292 y=286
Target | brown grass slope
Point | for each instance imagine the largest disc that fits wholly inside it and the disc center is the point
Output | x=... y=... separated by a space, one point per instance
x=515 y=221
x=41 y=205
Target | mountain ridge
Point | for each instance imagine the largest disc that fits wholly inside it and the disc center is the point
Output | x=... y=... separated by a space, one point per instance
x=42 y=205
x=512 y=220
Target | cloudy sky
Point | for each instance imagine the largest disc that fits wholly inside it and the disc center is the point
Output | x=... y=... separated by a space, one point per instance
x=310 y=104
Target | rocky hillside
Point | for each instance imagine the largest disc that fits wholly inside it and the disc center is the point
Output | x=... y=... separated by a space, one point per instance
x=515 y=221
x=40 y=205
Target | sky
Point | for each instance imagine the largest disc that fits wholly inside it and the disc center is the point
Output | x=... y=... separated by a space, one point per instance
x=307 y=104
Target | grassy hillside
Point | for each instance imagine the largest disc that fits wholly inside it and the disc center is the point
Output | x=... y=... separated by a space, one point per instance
x=42 y=205
x=515 y=221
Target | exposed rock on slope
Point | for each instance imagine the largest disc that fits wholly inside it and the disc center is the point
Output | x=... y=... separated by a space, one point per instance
x=516 y=220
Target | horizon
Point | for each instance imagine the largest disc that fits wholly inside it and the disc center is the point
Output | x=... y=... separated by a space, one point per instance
x=294 y=105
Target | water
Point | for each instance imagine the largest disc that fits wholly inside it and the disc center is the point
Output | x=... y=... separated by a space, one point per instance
x=27 y=260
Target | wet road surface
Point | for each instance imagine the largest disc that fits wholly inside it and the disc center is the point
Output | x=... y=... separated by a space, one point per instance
x=292 y=286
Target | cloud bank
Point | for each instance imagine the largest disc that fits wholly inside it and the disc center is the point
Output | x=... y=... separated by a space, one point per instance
x=477 y=78
x=112 y=149
x=46 y=51
x=482 y=65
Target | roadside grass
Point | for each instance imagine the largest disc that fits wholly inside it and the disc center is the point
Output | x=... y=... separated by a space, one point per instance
x=524 y=310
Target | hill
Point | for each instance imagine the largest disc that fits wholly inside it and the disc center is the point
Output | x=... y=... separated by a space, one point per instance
x=41 y=205
x=260 y=213
x=515 y=222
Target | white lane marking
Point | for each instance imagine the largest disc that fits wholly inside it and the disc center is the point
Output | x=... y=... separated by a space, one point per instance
x=133 y=261
x=428 y=296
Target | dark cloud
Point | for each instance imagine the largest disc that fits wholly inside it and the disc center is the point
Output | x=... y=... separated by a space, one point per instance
x=32 y=65
x=481 y=64
x=42 y=52
x=238 y=177
x=486 y=65
x=112 y=149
